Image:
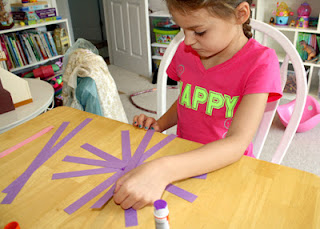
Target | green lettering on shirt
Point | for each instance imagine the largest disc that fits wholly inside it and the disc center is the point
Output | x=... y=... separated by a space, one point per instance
x=200 y=95
x=215 y=101
x=186 y=96
x=230 y=105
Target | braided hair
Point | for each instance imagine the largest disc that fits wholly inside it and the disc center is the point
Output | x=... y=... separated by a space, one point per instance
x=221 y=8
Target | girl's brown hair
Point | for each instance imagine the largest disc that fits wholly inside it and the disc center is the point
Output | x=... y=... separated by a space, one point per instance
x=221 y=8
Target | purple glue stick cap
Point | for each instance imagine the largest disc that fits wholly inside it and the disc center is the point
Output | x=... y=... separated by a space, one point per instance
x=160 y=204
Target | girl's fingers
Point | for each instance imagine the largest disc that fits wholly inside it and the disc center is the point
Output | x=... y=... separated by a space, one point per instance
x=135 y=120
x=149 y=122
x=119 y=193
x=120 y=196
x=138 y=205
x=129 y=201
x=141 y=120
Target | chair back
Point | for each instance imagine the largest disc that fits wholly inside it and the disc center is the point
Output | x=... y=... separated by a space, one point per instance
x=263 y=130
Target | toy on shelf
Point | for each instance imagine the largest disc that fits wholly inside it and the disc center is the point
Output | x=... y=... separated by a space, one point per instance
x=309 y=49
x=272 y=22
x=42 y=72
x=313 y=21
x=282 y=13
x=61 y=40
x=6 y=21
x=292 y=23
x=304 y=12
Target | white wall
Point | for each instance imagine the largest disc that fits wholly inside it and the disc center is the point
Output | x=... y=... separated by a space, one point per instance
x=63 y=9
x=157 y=5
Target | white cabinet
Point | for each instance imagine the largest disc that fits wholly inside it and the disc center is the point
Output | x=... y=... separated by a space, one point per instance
x=63 y=23
x=264 y=13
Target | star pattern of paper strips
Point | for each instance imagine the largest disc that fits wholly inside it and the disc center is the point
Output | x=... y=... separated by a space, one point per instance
x=112 y=164
x=45 y=154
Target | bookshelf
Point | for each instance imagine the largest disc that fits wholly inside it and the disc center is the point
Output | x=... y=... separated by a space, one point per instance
x=63 y=23
x=264 y=12
x=162 y=15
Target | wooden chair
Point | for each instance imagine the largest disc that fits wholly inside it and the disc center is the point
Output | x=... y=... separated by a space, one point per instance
x=261 y=135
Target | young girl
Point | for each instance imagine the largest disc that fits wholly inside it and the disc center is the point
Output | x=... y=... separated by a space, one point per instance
x=226 y=79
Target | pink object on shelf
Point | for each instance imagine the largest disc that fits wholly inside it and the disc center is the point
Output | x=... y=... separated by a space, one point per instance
x=310 y=117
x=304 y=10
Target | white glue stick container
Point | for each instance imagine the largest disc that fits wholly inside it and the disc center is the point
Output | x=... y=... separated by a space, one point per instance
x=161 y=214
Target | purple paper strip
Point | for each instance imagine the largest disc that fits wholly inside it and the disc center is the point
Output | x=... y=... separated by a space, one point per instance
x=139 y=151
x=156 y=147
x=203 y=176
x=88 y=161
x=83 y=173
x=100 y=153
x=105 y=198
x=71 y=134
x=126 y=147
x=131 y=217
x=37 y=161
x=43 y=156
x=181 y=193
x=93 y=193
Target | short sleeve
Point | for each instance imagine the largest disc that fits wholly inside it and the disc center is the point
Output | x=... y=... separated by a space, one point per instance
x=265 y=77
x=172 y=69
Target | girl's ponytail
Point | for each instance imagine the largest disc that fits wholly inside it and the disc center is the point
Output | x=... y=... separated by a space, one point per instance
x=247 y=29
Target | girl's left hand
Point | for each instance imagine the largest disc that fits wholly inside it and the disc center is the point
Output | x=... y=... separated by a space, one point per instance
x=141 y=186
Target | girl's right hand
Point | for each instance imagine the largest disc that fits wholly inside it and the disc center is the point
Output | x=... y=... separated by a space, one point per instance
x=145 y=122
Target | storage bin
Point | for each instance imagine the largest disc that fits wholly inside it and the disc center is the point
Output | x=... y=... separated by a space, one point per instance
x=159 y=51
x=165 y=36
x=163 y=22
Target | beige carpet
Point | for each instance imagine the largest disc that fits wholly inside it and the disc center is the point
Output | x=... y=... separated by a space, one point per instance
x=303 y=153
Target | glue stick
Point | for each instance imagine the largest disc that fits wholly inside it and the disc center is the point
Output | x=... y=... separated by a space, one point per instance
x=161 y=214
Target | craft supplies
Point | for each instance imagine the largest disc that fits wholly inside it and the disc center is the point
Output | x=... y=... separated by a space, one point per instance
x=47 y=152
x=161 y=214
x=30 y=139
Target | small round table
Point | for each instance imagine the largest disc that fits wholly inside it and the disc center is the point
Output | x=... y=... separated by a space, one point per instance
x=42 y=95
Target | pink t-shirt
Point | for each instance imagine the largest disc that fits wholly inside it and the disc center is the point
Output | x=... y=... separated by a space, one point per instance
x=209 y=98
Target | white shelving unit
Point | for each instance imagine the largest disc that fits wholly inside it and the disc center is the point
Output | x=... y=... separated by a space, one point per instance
x=157 y=14
x=264 y=12
x=63 y=23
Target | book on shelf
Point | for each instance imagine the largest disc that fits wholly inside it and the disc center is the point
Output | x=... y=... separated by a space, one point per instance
x=41 y=46
x=52 y=44
x=45 y=45
x=3 y=58
x=27 y=47
x=4 y=49
x=12 y=52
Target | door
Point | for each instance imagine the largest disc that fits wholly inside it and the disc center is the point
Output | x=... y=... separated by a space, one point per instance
x=128 y=34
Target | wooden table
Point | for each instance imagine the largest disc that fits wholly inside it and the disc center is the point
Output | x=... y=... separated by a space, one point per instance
x=248 y=194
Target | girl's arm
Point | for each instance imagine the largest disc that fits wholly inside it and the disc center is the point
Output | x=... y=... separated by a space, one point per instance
x=218 y=154
x=146 y=183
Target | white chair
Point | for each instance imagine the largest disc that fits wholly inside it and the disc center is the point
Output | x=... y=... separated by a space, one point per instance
x=262 y=132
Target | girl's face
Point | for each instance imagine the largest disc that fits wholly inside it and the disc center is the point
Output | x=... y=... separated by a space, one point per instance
x=206 y=34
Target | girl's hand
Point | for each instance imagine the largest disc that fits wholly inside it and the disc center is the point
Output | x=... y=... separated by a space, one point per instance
x=145 y=122
x=141 y=186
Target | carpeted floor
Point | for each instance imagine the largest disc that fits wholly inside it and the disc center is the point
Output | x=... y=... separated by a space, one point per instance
x=303 y=153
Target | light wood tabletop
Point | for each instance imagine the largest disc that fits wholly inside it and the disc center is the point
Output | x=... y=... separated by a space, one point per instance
x=250 y=193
